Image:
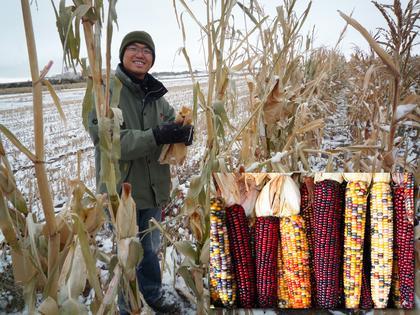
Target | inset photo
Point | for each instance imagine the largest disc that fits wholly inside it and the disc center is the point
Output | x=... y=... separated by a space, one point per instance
x=312 y=241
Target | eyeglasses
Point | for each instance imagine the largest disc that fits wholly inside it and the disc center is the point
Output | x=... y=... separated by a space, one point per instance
x=135 y=50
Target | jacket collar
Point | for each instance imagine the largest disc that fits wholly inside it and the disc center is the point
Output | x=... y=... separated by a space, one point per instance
x=150 y=87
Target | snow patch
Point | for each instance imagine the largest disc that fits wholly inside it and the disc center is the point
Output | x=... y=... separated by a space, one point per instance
x=403 y=110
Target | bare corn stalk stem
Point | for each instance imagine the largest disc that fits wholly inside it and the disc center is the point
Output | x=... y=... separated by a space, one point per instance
x=42 y=180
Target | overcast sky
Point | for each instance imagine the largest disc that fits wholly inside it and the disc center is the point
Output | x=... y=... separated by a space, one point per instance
x=157 y=17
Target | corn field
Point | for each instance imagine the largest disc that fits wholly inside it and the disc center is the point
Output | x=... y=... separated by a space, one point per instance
x=269 y=101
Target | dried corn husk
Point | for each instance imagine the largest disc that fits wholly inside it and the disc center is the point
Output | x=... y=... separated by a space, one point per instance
x=319 y=177
x=249 y=191
x=78 y=274
x=130 y=253
x=381 y=177
x=64 y=227
x=268 y=201
x=71 y=307
x=65 y=269
x=129 y=248
x=358 y=177
x=176 y=153
x=48 y=307
x=126 y=220
x=229 y=188
x=289 y=198
x=260 y=179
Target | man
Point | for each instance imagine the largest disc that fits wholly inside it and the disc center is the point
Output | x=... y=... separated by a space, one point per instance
x=148 y=124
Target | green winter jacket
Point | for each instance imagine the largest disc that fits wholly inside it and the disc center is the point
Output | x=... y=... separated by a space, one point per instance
x=139 y=164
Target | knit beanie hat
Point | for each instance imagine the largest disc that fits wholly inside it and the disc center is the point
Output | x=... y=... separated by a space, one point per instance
x=137 y=37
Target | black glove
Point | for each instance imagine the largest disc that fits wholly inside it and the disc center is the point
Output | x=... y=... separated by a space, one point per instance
x=172 y=133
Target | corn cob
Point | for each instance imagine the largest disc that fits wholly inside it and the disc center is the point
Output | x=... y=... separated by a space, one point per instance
x=328 y=211
x=306 y=206
x=366 y=295
x=354 y=232
x=282 y=292
x=295 y=255
x=404 y=237
x=381 y=238
x=266 y=242
x=240 y=244
x=222 y=280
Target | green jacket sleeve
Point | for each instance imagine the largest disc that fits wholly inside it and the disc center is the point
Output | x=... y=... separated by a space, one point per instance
x=136 y=143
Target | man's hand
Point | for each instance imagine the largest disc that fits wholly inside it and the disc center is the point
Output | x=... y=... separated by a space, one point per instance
x=173 y=133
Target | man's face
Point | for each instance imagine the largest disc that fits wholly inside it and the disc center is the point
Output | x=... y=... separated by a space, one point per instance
x=138 y=59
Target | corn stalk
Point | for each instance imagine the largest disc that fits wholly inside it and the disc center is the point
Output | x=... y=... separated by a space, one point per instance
x=43 y=185
x=399 y=40
x=90 y=14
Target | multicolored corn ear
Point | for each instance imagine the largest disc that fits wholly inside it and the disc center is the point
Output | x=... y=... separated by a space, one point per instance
x=327 y=209
x=295 y=254
x=366 y=295
x=243 y=263
x=382 y=239
x=404 y=237
x=266 y=243
x=222 y=279
x=306 y=210
x=356 y=195
x=282 y=291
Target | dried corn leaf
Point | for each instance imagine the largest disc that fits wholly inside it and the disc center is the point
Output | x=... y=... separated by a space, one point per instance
x=375 y=46
x=275 y=108
x=6 y=224
x=56 y=100
x=23 y=269
x=12 y=138
x=8 y=187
